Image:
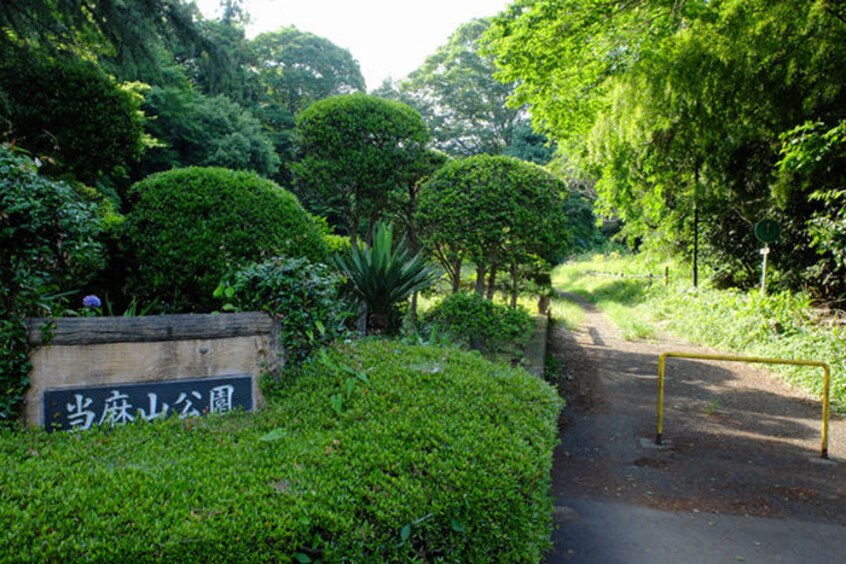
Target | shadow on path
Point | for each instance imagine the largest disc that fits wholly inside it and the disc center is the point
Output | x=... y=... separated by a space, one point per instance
x=741 y=481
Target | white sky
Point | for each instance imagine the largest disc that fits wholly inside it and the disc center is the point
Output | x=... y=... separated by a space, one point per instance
x=388 y=38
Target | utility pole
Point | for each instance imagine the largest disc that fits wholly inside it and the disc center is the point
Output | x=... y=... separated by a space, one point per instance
x=696 y=223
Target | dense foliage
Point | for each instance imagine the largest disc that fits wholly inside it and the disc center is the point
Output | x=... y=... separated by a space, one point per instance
x=193 y=129
x=431 y=455
x=683 y=111
x=358 y=151
x=188 y=228
x=49 y=236
x=73 y=116
x=498 y=212
x=303 y=297
x=473 y=321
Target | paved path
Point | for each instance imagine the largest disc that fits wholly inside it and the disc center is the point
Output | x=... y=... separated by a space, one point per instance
x=742 y=481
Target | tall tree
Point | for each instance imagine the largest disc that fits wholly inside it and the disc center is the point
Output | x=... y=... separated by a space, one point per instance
x=680 y=106
x=127 y=33
x=297 y=68
x=458 y=96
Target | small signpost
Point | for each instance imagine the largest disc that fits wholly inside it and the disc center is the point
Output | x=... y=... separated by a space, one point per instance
x=766 y=231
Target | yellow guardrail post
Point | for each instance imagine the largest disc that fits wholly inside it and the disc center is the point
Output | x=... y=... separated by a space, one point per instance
x=826 y=406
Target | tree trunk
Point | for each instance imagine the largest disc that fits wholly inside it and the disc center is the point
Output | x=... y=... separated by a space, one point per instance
x=455 y=274
x=480 y=279
x=514 y=273
x=492 y=282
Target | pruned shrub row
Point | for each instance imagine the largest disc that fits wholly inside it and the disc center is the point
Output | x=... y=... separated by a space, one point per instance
x=375 y=452
x=471 y=320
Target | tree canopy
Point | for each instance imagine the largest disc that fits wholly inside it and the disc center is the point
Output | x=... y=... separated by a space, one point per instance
x=464 y=105
x=297 y=68
x=357 y=152
x=496 y=211
x=680 y=109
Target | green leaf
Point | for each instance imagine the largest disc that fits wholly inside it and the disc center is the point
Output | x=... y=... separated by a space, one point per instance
x=303 y=558
x=274 y=435
x=405 y=533
x=337 y=403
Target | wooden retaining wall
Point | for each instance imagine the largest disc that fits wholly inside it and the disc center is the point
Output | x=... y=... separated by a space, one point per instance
x=81 y=353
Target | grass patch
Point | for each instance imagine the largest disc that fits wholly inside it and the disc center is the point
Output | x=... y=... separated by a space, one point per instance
x=618 y=285
x=778 y=325
x=566 y=312
x=375 y=452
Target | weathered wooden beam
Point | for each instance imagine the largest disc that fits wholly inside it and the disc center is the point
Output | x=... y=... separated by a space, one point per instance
x=91 y=330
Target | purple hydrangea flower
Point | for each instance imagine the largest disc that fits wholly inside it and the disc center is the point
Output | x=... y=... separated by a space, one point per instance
x=91 y=301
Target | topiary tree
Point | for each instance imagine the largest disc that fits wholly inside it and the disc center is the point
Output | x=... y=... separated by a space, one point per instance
x=190 y=227
x=498 y=212
x=357 y=152
x=49 y=236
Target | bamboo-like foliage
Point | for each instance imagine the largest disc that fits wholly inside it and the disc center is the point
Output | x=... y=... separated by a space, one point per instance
x=384 y=274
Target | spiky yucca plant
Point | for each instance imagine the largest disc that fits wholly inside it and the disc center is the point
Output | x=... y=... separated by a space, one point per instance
x=384 y=275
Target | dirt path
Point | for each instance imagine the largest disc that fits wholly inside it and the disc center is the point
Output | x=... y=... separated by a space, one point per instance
x=744 y=446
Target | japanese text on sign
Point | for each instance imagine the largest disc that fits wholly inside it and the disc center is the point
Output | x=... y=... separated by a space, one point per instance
x=119 y=404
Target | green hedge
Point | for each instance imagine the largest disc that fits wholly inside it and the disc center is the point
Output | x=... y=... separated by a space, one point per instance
x=471 y=320
x=190 y=227
x=375 y=452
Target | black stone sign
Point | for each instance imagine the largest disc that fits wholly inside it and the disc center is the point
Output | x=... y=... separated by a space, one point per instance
x=118 y=404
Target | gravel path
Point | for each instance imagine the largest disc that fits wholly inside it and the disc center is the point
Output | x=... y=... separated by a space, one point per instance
x=741 y=481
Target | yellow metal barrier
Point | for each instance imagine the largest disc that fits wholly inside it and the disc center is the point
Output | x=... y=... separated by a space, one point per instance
x=826 y=410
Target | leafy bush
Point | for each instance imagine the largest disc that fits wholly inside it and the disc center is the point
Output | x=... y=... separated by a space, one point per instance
x=474 y=321
x=301 y=295
x=49 y=239
x=190 y=227
x=385 y=274
x=434 y=455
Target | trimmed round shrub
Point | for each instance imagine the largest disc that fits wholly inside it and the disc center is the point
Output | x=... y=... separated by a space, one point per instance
x=471 y=320
x=301 y=295
x=376 y=452
x=190 y=227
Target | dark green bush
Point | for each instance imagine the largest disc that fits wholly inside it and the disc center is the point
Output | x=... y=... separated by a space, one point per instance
x=190 y=227
x=472 y=320
x=302 y=296
x=377 y=452
x=73 y=113
x=48 y=237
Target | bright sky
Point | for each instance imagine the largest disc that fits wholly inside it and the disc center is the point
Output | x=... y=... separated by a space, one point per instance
x=389 y=38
